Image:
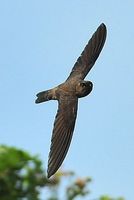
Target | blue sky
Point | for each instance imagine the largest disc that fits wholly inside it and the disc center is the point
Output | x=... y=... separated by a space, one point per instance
x=39 y=44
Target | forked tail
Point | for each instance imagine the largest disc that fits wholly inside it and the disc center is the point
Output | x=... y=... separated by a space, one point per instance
x=44 y=96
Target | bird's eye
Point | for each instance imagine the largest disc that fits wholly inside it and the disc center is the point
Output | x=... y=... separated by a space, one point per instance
x=83 y=84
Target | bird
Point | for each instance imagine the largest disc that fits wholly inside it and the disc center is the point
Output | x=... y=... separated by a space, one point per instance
x=67 y=95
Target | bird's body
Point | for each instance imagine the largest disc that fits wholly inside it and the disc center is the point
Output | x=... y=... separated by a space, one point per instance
x=68 y=89
x=67 y=95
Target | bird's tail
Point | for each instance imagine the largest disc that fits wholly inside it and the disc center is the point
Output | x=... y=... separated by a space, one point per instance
x=44 y=96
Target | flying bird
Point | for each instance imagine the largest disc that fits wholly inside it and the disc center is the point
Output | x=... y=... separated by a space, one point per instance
x=67 y=95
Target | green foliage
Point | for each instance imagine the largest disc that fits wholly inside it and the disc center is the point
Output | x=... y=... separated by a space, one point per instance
x=22 y=177
x=110 y=198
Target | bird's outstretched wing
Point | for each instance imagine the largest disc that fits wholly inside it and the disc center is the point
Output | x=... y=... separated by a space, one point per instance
x=90 y=54
x=62 y=133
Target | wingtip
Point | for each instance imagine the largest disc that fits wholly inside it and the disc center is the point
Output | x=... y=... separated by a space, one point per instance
x=49 y=174
x=103 y=29
x=51 y=170
x=103 y=26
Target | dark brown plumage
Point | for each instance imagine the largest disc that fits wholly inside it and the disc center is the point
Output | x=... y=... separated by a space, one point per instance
x=67 y=95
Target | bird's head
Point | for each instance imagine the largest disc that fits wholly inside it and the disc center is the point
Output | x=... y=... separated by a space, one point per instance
x=83 y=88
